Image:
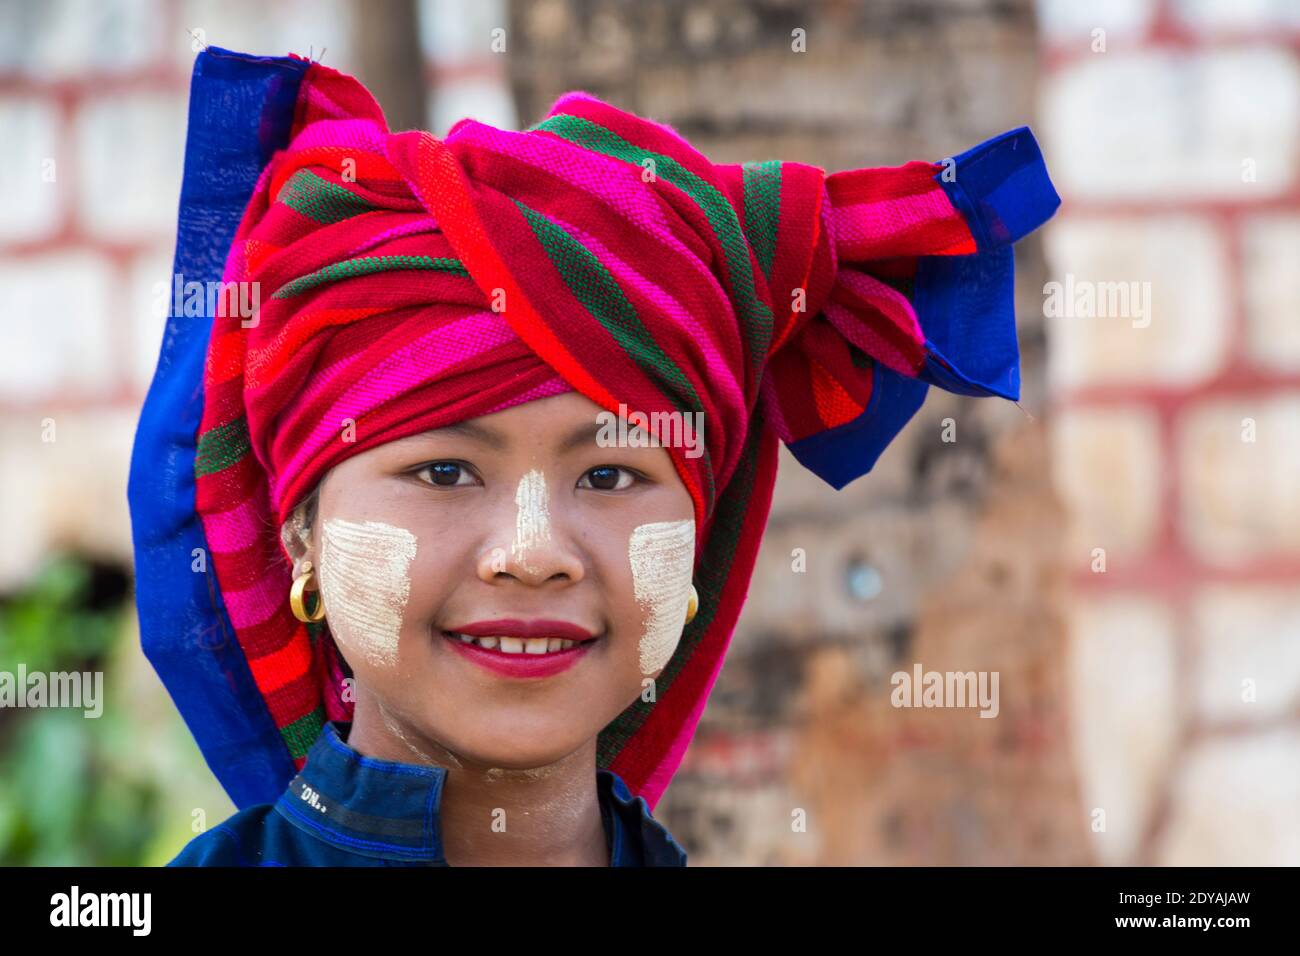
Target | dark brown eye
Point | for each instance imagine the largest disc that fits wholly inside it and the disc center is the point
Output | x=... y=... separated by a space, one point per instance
x=607 y=478
x=445 y=473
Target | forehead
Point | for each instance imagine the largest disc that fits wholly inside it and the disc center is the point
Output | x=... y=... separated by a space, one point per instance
x=568 y=407
x=561 y=422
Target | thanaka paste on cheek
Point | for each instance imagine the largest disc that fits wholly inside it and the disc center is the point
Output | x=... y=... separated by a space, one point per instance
x=365 y=583
x=533 y=519
x=662 y=555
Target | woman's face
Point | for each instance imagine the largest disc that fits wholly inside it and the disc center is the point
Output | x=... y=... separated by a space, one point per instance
x=515 y=516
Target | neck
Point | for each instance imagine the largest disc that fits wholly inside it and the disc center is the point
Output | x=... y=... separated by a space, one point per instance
x=493 y=816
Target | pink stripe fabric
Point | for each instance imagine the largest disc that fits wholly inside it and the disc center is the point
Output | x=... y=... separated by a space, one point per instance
x=233 y=530
x=858 y=226
x=256 y=603
x=424 y=360
x=720 y=370
x=553 y=386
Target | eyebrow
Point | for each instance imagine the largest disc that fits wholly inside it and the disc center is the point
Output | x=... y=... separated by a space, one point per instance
x=582 y=435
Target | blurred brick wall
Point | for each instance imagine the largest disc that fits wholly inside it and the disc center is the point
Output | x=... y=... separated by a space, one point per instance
x=947 y=553
x=1175 y=130
x=93 y=103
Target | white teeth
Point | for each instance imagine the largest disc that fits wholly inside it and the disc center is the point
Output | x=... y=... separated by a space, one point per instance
x=518 y=645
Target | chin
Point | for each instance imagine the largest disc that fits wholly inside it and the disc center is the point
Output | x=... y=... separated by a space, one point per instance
x=510 y=751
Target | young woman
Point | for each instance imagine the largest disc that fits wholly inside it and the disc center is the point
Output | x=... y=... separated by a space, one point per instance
x=479 y=481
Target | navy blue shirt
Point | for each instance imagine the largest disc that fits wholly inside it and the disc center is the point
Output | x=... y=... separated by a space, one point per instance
x=346 y=809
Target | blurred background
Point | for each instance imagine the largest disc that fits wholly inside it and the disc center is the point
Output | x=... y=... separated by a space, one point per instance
x=1123 y=547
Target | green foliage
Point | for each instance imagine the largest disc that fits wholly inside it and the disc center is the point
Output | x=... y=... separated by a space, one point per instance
x=48 y=627
x=70 y=793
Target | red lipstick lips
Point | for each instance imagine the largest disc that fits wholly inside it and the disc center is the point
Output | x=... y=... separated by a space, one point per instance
x=522 y=664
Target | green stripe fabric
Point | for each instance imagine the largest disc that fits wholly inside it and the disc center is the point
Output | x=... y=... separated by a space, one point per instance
x=594 y=287
x=762 y=208
x=367 y=265
x=302 y=733
x=320 y=199
x=220 y=447
x=754 y=313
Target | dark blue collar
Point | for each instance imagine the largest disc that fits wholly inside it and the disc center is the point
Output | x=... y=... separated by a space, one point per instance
x=386 y=809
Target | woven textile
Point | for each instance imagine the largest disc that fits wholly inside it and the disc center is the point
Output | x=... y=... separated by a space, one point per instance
x=408 y=282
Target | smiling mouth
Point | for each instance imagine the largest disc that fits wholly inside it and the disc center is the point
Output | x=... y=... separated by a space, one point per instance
x=505 y=644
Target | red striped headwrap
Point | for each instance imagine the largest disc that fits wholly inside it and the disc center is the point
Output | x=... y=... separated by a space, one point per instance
x=408 y=282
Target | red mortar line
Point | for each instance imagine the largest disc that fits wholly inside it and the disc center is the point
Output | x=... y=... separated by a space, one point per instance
x=1057 y=55
x=1239 y=377
x=119 y=257
x=161 y=78
x=1170 y=567
x=71 y=238
x=68 y=401
x=437 y=72
x=163 y=75
x=1240 y=380
x=1193 y=732
x=68 y=236
x=1165 y=33
x=1286 y=203
x=1170 y=571
x=1174 y=575
x=122 y=335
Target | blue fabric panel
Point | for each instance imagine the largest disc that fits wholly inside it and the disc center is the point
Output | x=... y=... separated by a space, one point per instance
x=241 y=110
x=965 y=305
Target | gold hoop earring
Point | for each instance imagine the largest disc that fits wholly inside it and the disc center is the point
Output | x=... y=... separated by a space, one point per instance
x=296 y=594
x=693 y=605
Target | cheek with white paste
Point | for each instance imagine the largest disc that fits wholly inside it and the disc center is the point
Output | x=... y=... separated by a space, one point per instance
x=662 y=555
x=532 y=518
x=365 y=583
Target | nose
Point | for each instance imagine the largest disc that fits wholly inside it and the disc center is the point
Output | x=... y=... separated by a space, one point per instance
x=532 y=544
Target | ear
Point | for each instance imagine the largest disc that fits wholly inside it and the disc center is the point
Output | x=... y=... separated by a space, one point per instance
x=296 y=538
